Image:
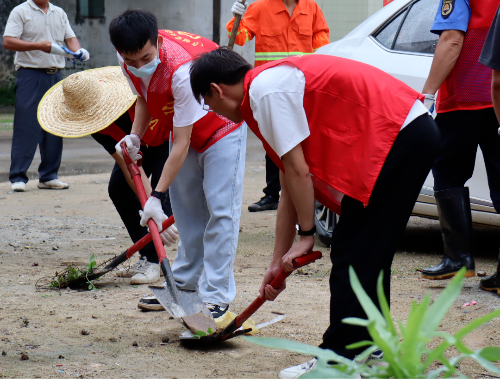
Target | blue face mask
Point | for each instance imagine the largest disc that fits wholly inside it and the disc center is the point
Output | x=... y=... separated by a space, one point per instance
x=146 y=70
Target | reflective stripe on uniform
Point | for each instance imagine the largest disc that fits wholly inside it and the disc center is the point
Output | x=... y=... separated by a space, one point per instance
x=237 y=34
x=276 y=56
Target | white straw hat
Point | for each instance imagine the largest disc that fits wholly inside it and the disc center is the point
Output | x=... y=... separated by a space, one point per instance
x=85 y=102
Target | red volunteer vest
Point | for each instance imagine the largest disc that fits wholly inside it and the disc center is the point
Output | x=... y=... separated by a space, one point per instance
x=468 y=86
x=179 y=48
x=354 y=111
x=114 y=132
x=117 y=134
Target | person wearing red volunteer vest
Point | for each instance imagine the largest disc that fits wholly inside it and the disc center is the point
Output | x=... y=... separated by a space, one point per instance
x=346 y=134
x=207 y=156
x=466 y=119
x=490 y=57
x=121 y=191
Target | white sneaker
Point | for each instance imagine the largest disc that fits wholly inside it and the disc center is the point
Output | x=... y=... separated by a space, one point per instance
x=18 y=187
x=297 y=371
x=53 y=184
x=147 y=273
x=129 y=271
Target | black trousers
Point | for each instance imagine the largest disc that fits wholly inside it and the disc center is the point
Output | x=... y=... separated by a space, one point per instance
x=126 y=201
x=366 y=238
x=461 y=133
x=273 y=187
x=30 y=87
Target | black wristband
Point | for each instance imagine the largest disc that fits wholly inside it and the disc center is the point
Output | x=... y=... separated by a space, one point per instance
x=311 y=232
x=159 y=195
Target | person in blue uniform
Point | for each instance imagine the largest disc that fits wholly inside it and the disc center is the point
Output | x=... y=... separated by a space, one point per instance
x=466 y=119
x=490 y=56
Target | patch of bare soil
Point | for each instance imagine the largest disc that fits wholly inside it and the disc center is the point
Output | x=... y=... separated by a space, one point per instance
x=103 y=334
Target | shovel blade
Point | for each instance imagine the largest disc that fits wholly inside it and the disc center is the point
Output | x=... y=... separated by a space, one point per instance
x=188 y=302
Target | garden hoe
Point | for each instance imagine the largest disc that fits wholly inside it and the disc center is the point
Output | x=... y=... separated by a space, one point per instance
x=234 y=328
x=185 y=306
x=113 y=263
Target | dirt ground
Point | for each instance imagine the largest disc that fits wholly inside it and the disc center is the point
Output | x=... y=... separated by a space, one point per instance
x=42 y=231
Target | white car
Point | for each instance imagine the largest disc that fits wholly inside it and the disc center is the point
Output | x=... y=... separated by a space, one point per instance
x=397 y=40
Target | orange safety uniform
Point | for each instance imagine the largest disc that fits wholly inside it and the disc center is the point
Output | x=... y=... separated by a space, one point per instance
x=277 y=34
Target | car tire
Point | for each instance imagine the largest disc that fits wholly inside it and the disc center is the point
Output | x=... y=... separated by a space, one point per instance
x=325 y=221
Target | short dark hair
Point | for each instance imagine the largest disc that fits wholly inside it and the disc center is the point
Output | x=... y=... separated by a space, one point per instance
x=220 y=66
x=131 y=31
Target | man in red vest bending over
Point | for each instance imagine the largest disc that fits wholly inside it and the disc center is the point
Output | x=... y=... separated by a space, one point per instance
x=207 y=156
x=345 y=133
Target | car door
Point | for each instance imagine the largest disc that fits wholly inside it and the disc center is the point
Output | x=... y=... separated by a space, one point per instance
x=404 y=45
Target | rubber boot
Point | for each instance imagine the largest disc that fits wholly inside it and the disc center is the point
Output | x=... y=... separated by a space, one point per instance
x=455 y=219
x=490 y=283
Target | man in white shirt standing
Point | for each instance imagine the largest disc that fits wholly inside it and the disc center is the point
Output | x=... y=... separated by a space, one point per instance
x=204 y=170
x=36 y=30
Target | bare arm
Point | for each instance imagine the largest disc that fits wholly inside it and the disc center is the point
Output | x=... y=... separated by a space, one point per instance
x=16 y=44
x=142 y=117
x=296 y=204
x=130 y=181
x=447 y=52
x=73 y=44
x=175 y=160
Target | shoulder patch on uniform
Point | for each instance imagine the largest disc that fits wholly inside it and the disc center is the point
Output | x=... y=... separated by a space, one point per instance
x=448 y=7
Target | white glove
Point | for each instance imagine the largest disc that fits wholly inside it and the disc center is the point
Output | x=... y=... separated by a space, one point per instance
x=239 y=8
x=133 y=146
x=85 y=54
x=153 y=210
x=170 y=235
x=429 y=101
x=65 y=52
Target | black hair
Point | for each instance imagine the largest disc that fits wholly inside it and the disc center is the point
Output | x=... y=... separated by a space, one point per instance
x=220 y=66
x=131 y=31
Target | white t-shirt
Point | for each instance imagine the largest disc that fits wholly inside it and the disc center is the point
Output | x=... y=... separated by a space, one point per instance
x=186 y=109
x=282 y=87
x=29 y=23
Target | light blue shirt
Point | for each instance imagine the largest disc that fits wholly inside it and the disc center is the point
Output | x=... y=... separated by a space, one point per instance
x=458 y=19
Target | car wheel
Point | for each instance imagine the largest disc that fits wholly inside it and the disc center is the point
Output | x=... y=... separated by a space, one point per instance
x=325 y=221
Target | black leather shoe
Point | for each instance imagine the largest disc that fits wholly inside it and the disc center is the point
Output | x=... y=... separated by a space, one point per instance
x=490 y=284
x=449 y=268
x=267 y=203
x=455 y=220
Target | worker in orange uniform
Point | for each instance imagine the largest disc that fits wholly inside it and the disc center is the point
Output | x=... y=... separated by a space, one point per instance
x=282 y=28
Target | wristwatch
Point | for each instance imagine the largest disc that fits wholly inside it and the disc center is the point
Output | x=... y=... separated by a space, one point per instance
x=159 y=195
x=301 y=232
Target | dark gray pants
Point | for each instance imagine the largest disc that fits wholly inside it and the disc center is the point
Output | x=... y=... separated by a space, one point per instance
x=30 y=87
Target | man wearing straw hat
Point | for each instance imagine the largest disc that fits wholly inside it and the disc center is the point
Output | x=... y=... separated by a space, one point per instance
x=100 y=102
x=207 y=157
x=36 y=30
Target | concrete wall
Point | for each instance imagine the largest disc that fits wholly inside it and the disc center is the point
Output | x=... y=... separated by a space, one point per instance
x=195 y=16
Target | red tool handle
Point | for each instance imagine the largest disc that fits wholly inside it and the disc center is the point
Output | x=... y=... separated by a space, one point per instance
x=148 y=238
x=143 y=198
x=276 y=283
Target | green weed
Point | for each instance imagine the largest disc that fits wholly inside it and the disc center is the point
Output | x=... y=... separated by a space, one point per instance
x=406 y=353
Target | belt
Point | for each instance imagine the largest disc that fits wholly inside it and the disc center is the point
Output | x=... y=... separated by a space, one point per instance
x=50 y=71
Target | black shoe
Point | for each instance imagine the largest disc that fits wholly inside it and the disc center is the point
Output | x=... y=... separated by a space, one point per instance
x=267 y=203
x=490 y=284
x=150 y=303
x=455 y=219
x=216 y=310
x=448 y=268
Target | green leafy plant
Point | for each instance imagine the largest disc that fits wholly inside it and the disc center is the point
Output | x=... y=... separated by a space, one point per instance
x=71 y=273
x=406 y=354
x=201 y=333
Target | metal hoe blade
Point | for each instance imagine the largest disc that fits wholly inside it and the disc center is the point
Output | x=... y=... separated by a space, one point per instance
x=186 y=304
